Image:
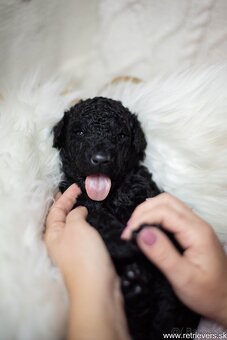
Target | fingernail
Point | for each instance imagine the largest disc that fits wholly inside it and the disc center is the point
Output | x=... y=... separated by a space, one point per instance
x=124 y=233
x=57 y=196
x=147 y=236
x=128 y=223
x=76 y=188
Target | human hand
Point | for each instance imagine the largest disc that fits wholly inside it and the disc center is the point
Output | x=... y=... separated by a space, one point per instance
x=199 y=275
x=96 y=304
x=73 y=245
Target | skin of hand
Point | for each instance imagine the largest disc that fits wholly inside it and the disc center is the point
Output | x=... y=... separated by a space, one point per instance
x=96 y=304
x=199 y=275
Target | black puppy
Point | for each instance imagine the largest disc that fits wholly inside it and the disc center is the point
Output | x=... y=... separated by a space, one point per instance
x=101 y=146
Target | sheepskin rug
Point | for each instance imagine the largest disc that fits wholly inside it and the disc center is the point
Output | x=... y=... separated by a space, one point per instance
x=184 y=117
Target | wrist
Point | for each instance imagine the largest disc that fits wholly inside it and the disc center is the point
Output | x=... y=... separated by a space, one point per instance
x=218 y=309
x=101 y=303
x=222 y=315
x=89 y=280
x=94 y=286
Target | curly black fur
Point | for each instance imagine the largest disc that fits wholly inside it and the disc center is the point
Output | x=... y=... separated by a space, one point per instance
x=104 y=126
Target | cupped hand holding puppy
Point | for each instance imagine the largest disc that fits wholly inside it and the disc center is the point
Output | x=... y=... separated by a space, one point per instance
x=96 y=304
x=199 y=275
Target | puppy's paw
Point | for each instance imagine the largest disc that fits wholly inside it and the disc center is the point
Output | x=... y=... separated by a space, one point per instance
x=132 y=280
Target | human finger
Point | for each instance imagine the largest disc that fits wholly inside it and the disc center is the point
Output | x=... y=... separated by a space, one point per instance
x=62 y=206
x=187 y=228
x=161 y=199
x=57 y=196
x=77 y=214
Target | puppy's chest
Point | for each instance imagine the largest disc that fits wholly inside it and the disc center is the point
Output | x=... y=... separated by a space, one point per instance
x=107 y=214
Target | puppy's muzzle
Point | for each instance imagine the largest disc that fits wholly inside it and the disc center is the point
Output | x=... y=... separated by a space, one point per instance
x=100 y=159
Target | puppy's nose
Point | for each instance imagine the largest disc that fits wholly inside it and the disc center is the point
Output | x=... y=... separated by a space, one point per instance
x=100 y=158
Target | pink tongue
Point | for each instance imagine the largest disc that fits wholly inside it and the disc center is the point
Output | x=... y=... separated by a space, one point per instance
x=97 y=187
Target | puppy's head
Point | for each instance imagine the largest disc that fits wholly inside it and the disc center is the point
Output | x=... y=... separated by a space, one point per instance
x=100 y=142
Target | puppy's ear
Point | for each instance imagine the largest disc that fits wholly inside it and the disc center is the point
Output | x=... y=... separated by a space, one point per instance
x=58 y=132
x=139 y=140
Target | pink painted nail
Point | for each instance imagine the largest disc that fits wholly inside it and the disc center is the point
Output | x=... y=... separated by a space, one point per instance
x=147 y=236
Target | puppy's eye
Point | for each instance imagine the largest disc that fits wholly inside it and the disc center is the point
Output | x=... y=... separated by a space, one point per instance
x=79 y=133
x=122 y=135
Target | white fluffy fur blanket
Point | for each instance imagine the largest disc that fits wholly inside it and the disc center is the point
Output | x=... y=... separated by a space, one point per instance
x=185 y=120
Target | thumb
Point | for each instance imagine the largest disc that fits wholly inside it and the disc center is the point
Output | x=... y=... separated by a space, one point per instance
x=77 y=214
x=157 y=247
